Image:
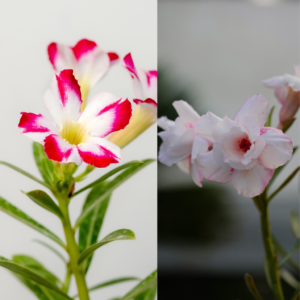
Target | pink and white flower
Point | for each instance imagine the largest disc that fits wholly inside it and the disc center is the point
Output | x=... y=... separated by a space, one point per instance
x=74 y=136
x=145 y=112
x=181 y=141
x=242 y=150
x=287 y=91
x=89 y=62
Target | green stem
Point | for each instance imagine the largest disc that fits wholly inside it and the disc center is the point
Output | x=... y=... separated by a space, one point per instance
x=73 y=251
x=67 y=278
x=271 y=258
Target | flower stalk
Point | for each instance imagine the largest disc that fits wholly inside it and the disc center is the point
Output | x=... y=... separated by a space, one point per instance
x=72 y=249
x=272 y=272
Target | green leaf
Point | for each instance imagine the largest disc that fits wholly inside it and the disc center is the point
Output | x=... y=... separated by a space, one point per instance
x=296 y=295
x=14 y=212
x=252 y=287
x=279 y=250
x=51 y=249
x=294 y=221
x=293 y=174
x=45 y=165
x=289 y=279
x=83 y=175
x=27 y=273
x=44 y=200
x=111 y=186
x=269 y=119
x=109 y=174
x=25 y=173
x=148 y=294
x=90 y=227
x=279 y=169
x=118 y=235
x=290 y=254
x=110 y=282
x=37 y=267
x=288 y=125
x=148 y=283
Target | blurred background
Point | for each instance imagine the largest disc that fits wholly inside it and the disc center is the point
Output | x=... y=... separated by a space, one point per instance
x=214 y=55
x=27 y=27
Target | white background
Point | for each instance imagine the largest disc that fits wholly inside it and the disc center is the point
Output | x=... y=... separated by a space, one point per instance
x=26 y=28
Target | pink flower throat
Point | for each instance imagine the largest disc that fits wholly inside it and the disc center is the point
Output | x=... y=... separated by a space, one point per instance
x=244 y=144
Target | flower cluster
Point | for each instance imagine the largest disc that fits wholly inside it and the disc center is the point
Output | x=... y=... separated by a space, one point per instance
x=78 y=131
x=241 y=151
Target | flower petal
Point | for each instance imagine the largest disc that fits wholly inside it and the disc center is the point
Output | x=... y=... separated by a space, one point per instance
x=61 y=57
x=282 y=93
x=205 y=125
x=293 y=82
x=36 y=127
x=211 y=170
x=257 y=106
x=63 y=99
x=196 y=174
x=175 y=148
x=106 y=113
x=278 y=149
x=165 y=123
x=113 y=57
x=148 y=109
x=186 y=113
x=184 y=165
x=222 y=127
x=252 y=127
x=99 y=152
x=59 y=150
x=275 y=82
x=83 y=47
x=251 y=183
x=200 y=145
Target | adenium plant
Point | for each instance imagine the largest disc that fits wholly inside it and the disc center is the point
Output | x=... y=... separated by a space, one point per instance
x=245 y=151
x=78 y=132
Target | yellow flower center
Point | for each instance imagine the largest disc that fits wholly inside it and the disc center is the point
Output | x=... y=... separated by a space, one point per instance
x=74 y=133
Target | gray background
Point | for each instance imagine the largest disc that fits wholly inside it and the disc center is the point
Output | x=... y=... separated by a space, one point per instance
x=27 y=27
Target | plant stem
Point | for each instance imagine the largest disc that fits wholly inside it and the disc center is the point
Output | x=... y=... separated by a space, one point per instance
x=270 y=257
x=67 y=279
x=73 y=250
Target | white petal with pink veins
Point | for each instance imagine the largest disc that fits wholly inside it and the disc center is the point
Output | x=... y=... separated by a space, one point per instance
x=251 y=183
x=251 y=126
x=275 y=82
x=205 y=125
x=278 y=149
x=257 y=106
x=63 y=98
x=164 y=123
x=241 y=166
x=222 y=127
x=186 y=113
x=211 y=170
x=200 y=145
x=196 y=174
x=175 y=148
x=258 y=147
x=282 y=93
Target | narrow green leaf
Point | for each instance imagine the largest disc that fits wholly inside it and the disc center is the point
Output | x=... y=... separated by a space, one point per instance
x=111 y=186
x=148 y=294
x=284 y=183
x=269 y=119
x=37 y=267
x=294 y=221
x=289 y=279
x=290 y=254
x=44 y=200
x=296 y=295
x=83 y=175
x=147 y=283
x=279 y=169
x=110 y=282
x=280 y=251
x=288 y=125
x=252 y=287
x=27 y=273
x=45 y=165
x=25 y=173
x=14 y=212
x=90 y=227
x=52 y=249
x=109 y=174
x=118 y=235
